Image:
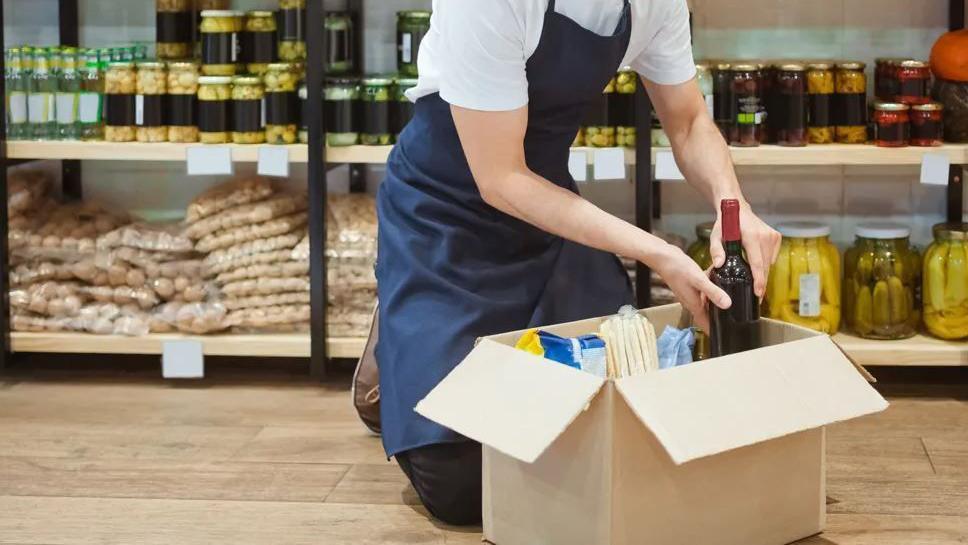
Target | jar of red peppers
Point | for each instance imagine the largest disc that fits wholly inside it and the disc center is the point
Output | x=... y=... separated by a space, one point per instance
x=927 y=128
x=914 y=82
x=768 y=95
x=724 y=107
x=747 y=91
x=885 y=78
x=892 y=122
x=790 y=116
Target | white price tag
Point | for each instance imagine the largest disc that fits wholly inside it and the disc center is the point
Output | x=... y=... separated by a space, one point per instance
x=809 y=295
x=610 y=164
x=139 y=110
x=710 y=106
x=208 y=160
x=578 y=165
x=40 y=107
x=274 y=161
x=18 y=107
x=407 y=47
x=666 y=168
x=182 y=359
x=90 y=108
x=935 y=168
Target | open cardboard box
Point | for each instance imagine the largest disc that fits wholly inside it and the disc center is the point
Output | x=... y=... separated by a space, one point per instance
x=728 y=451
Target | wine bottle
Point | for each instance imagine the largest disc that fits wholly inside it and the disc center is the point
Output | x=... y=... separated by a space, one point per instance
x=737 y=328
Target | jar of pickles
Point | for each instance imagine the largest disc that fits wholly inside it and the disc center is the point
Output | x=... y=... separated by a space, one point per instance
x=914 y=82
x=820 y=89
x=850 y=113
x=282 y=107
x=747 y=92
x=946 y=282
x=621 y=108
x=724 y=106
x=182 y=102
x=892 y=123
x=258 y=47
x=699 y=250
x=340 y=96
x=927 y=126
x=339 y=43
x=375 y=110
x=882 y=275
x=214 y=96
x=412 y=26
x=152 y=86
x=303 y=122
x=120 y=88
x=248 y=125
x=402 y=109
x=598 y=132
x=220 y=41
x=173 y=29
x=804 y=284
x=790 y=119
x=292 y=30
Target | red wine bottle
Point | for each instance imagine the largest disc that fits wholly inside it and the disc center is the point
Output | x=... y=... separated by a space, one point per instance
x=737 y=328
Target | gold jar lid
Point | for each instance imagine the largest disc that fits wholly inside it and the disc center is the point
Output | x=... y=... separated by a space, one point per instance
x=950 y=231
x=281 y=67
x=246 y=80
x=150 y=65
x=215 y=80
x=221 y=13
x=259 y=13
x=821 y=65
x=744 y=67
x=793 y=67
x=183 y=65
x=723 y=66
x=851 y=65
x=891 y=107
x=929 y=107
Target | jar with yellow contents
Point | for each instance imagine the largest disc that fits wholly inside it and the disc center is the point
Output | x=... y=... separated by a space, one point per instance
x=258 y=46
x=292 y=30
x=699 y=250
x=804 y=283
x=214 y=100
x=173 y=28
x=120 y=90
x=820 y=95
x=248 y=126
x=152 y=87
x=220 y=41
x=281 y=103
x=946 y=282
x=182 y=100
x=598 y=132
x=851 y=103
x=622 y=108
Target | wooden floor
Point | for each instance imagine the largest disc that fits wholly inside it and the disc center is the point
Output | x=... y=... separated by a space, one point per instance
x=114 y=456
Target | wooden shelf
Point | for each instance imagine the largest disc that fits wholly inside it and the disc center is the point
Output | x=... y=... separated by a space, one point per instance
x=294 y=345
x=919 y=351
x=132 y=151
x=838 y=154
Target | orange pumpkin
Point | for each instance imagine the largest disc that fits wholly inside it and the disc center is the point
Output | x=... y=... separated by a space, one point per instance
x=949 y=56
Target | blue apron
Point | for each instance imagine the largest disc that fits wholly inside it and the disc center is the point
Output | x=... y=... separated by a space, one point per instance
x=451 y=268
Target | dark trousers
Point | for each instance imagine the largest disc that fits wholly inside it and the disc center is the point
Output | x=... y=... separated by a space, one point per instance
x=447 y=477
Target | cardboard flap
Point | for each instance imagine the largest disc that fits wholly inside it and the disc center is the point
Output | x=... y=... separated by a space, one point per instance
x=512 y=401
x=718 y=405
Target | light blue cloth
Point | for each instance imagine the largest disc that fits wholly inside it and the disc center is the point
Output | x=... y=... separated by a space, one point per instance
x=675 y=347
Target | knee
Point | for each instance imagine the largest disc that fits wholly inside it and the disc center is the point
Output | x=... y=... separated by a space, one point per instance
x=457 y=505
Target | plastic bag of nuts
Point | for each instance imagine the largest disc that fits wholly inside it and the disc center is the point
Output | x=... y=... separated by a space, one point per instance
x=259 y=301
x=23 y=321
x=228 y=195
x=234 y=254
x=268 y=316
x=248 y=214
x=53 y=299
x=194 y=318
x=163 y=237
x=32 y=272
x=238 y=235
x=144 y=297
x=276 y=256
x=273 y=270
x=25 y=188
x=180 y=289
x=265 y=286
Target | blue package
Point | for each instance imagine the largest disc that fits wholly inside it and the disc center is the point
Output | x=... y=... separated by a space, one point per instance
x=586 y=353
x=675 y=347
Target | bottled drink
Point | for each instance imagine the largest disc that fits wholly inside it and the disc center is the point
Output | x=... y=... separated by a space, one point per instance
x=41 y=109
x=16 y=86
x=737 y=328
x=90 y=104
x=68 y=95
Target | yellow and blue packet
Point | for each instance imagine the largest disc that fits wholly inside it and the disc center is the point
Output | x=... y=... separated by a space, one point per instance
x=586 y=353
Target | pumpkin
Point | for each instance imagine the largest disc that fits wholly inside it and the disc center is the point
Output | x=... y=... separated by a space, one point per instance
x=949 y=56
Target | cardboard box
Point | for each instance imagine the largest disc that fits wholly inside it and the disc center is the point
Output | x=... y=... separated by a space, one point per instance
x=728 y=451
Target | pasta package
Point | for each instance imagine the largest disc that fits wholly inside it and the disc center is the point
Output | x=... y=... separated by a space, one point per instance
x=631 y=342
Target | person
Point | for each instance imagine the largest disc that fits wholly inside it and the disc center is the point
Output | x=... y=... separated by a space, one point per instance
x=481 y=227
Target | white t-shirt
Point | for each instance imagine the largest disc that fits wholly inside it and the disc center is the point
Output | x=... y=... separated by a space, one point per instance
x=476 y=52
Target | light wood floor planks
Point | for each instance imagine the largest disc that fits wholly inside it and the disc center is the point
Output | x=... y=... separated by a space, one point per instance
x=122 y=458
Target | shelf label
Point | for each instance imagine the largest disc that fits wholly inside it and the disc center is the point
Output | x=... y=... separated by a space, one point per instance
x=666 y=168
x=208 y=160
x=274 y=161
x=610 y=164
x=182 y=359
x=935 y=168
x=578 y=165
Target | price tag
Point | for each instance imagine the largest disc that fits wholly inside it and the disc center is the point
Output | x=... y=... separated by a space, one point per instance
x=274 y=161
x=666 y=168
x=610 y=164
x=139 y=110
x=935 y=168
x=809 y=295
x=578 y=165
x=182 y=359
x=208 y=160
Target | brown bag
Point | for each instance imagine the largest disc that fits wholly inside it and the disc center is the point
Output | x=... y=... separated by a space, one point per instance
x=366 y=380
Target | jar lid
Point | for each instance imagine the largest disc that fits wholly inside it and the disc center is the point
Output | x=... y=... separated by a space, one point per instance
x=793 y=67
x=246 y=80
x=407 y=82
x=150 y=64
x=851 y=65
x=414 y=14
x=723 y=66
x=913 y=64
x=377 y=81
x=705 y=230
x=803 y=229
x=342 y=80
x=281 y=66
x=259 y=13
x=700 y=65
x=823 y=65
x=181 y=65
x=891 y=107
x=214 y=80
x=929 y=107
x=883 y=231
x=221 y=13
x=121 y=64
x=951 y=231
x=744 y=67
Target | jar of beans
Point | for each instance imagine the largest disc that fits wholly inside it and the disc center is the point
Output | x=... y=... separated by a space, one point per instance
x=214 y=94
x=281 y=104
x=292 y=30
x=892 y=122
x=182 y=101
x=120 y=88
x=790 y=117
x=851 y=103
x=820 y=88
x=747 y=89
x=173 y=28
x=927 y=126
x=914 y=82
x=220 y=41
x=152 y=87
x=247 y=119
x=258 y=47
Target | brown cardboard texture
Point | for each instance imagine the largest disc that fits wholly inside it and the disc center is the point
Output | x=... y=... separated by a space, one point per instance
x=727 y=451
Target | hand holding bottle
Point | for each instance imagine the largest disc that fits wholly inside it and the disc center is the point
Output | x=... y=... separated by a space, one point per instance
x=760 y=241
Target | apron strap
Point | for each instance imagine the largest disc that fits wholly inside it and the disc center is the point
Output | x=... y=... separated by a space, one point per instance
x=551 y=6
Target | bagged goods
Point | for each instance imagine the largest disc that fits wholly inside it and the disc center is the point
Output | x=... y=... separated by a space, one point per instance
x=227 y=195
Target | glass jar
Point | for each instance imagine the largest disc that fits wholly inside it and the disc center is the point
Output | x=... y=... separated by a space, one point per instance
x=402 y=111
x=790 y=119
x=746 y=89
x=412 y=26
x=120 y=87
x=946 y=282
x=882 y=275
x=247 y=121
x=820 y=87
x=927 y=125
x=375 y=111
x=768 y=101
x=886 y=85
x=173 y=29
x=214 y=95
x=152 y=86
x=579 y=140
x=303 y=122
x=621 y=111
x=851 y=103
x=182 y=101
x=699 y=250
x=598 y=132
x=892 y=123
x=914 y=82
x=292 y=30
x=341 y=96
x=339 y=42
x=200 y=6
x=91 y=104
x=724 y=106
x=258 y=43
x=282 y=107
x=220 y=41
x=804 y=284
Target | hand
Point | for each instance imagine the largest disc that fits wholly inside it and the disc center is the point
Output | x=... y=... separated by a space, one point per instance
x=761 y=242
x=690 y=284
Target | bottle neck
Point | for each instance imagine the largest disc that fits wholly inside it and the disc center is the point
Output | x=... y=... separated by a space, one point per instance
x=733 y=248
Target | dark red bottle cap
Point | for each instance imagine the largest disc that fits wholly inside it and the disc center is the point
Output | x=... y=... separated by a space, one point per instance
x=730 y=210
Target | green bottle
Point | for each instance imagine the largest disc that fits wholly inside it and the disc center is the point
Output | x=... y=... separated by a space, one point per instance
x=41 y=109
x=68 y=95
x=91 y=101
x=16 y=86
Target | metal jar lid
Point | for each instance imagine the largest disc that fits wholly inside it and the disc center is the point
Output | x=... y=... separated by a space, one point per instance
x=803 y=229
x=883 y=231
x=891 y=107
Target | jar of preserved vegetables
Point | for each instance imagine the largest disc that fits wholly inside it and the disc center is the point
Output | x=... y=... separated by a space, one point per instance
x=927 y=126
x=282 y=107
x=882 y=275
x=341 y=95
x=220 y=41
x=820 y=88
x=412 y=26
x=790 y=119
x=914 y=82
x=152 y=86
x=182 y=101
x=946 y=282
x=258 y=47
x=200 y=6
x=804 y=284
x=173 y=29
x=851 y=103
x=724 y=105
x=292 y=30
x=248 y=126
x=375 y=111
x=699 y=250
x=747 y=92
x=886 y=84
x=621 y=108
x=303 y=122
x=120 y=86
x=892 y=124
x=339 y=41
x=214 y=96
x=402 y=111
x=768 y=101
x=598 y=132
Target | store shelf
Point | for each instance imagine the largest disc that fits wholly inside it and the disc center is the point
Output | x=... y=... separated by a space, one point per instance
x=838 y=154
x=919 y=351
x=132 y=151
x=271 y=345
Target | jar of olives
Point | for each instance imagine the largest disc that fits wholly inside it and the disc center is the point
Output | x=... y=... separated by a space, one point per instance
x=804 y=283
x=152 y=86
x=598 y=132
x=303 y=123
x=790 y=119
x=173 y=29
x=402 y=109
x=340 y=96
x=850 y=113
x=375 y=110
x=339 y=42
x=621 y=108
x=292 y=30
x=282 y=107
x=820 y=88
x=724 y=106
x=412 y=26
x=747 y=92
x=120 y=88
x=220 y=41
x=946 y=282
x=258 y=47
x=214 y=95
x=248 y=125
x=699 y=250
x=882 y=283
